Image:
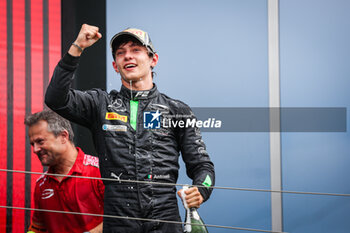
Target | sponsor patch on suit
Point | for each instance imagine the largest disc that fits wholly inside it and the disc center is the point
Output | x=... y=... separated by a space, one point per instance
x=116 y=116
x=116 y=128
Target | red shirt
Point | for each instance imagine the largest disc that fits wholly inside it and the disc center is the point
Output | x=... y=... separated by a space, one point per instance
x=71 y=194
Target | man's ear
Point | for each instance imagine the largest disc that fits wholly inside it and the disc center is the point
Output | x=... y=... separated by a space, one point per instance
x=64 y=136
x=115 y=66
x=154 y=60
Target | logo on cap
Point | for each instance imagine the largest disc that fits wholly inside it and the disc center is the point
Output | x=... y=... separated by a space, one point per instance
x=137 y=32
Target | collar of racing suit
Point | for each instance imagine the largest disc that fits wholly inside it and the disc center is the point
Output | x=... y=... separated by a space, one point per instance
x=139 y=95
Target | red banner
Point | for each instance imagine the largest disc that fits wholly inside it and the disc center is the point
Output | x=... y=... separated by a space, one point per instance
x=31 y=45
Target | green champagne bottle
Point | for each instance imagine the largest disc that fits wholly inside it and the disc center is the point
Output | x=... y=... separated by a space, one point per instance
x=193 y=217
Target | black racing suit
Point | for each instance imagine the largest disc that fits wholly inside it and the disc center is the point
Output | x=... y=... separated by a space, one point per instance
x=145 y=154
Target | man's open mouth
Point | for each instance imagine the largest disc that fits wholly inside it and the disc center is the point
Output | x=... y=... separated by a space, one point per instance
x=128 y=66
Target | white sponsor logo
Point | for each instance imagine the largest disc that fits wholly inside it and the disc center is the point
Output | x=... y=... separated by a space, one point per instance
x=117 y=105
x=141 y=94
x=115 y=176
x=163 y=108
x=116 y=128
x=167 y=176
x=47 y=193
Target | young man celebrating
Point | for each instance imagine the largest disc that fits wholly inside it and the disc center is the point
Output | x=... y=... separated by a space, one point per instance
x=131 y=141
x=51 y=137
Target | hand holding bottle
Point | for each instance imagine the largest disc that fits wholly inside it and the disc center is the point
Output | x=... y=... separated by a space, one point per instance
x=192 y=215
x=193 y=196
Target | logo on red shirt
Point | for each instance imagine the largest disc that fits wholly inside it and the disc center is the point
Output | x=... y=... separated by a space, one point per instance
x=91 y=160
x=47 y=193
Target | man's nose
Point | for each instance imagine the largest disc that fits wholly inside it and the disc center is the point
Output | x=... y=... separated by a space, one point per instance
x=36 y=148
x=128 y=55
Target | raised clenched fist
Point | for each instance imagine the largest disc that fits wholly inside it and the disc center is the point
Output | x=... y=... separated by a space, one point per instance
x=87 y=36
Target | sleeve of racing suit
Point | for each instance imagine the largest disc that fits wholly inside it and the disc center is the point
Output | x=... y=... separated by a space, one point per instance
x=74 y=105
x=199 y=167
